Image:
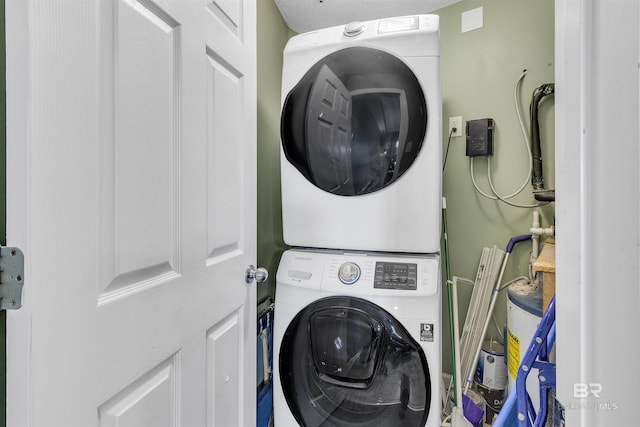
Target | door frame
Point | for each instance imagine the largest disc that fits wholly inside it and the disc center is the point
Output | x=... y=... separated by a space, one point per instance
x=596 y=53
x=3 y=212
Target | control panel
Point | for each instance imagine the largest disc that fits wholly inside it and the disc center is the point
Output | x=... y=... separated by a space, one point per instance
x=396 y=275
x=360 y=273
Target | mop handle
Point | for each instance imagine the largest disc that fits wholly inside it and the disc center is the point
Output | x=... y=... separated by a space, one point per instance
x=515 y=240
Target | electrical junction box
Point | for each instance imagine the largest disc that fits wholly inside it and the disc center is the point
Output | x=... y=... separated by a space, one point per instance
x=480 y=137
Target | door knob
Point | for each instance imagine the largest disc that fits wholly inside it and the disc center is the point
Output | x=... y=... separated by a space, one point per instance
x=252 y=273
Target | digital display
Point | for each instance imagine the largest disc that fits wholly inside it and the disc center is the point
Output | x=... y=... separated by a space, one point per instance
x=392 y=275
x=394 y=25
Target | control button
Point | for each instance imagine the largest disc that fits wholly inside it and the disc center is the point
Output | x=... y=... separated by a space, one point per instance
x=353 y=29
x=349 y=273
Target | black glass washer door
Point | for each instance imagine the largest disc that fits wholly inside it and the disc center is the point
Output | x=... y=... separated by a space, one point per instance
x=355 y=122
x=346 y=362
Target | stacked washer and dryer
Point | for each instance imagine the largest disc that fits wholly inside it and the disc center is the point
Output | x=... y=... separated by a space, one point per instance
x=357 y=335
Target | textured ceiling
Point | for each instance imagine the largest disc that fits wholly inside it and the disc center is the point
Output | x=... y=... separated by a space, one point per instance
x=308 y=15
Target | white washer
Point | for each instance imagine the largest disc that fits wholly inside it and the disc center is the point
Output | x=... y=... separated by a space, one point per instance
x=361 y=137
x=357 y=340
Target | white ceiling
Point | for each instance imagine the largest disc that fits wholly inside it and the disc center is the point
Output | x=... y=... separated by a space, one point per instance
x=308 y=15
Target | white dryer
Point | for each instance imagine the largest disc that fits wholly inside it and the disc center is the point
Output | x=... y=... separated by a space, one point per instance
x=357 y=340
x=361 y=137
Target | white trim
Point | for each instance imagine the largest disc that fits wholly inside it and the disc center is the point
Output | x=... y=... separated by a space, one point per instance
x=598 y=188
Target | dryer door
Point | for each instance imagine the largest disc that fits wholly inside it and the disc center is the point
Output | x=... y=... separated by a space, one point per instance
x=346 y=362
x=355 y=122
x=328 y=122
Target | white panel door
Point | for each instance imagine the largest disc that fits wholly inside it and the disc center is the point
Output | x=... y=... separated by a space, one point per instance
x=131 y=190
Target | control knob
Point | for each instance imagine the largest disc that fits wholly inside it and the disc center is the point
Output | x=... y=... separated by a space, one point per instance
x=349 y=273
x=353 y=29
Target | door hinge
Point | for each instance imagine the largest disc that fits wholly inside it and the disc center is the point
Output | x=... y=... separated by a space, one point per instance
x=11 y=278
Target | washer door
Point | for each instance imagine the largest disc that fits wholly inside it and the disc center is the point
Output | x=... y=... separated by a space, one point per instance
x=346 y=362
x=355 y=122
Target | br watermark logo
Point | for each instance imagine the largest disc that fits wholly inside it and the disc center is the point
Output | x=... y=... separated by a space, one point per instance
x=582 y=390
x=590 y=392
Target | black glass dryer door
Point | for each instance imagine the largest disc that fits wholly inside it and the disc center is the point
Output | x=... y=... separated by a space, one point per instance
x=355 y=122
x=345 y=362
x=329 y=121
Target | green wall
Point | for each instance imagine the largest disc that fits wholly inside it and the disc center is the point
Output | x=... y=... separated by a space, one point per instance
x=273 y=34
x=479 y=73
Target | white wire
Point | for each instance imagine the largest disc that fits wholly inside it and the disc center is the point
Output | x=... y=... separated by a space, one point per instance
x=475 y=184
x=504 y=199
x=493 y=189
x=525 y=134
x=496 y=195
x=511 y=282
x=461 y=279
x=498 y=329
